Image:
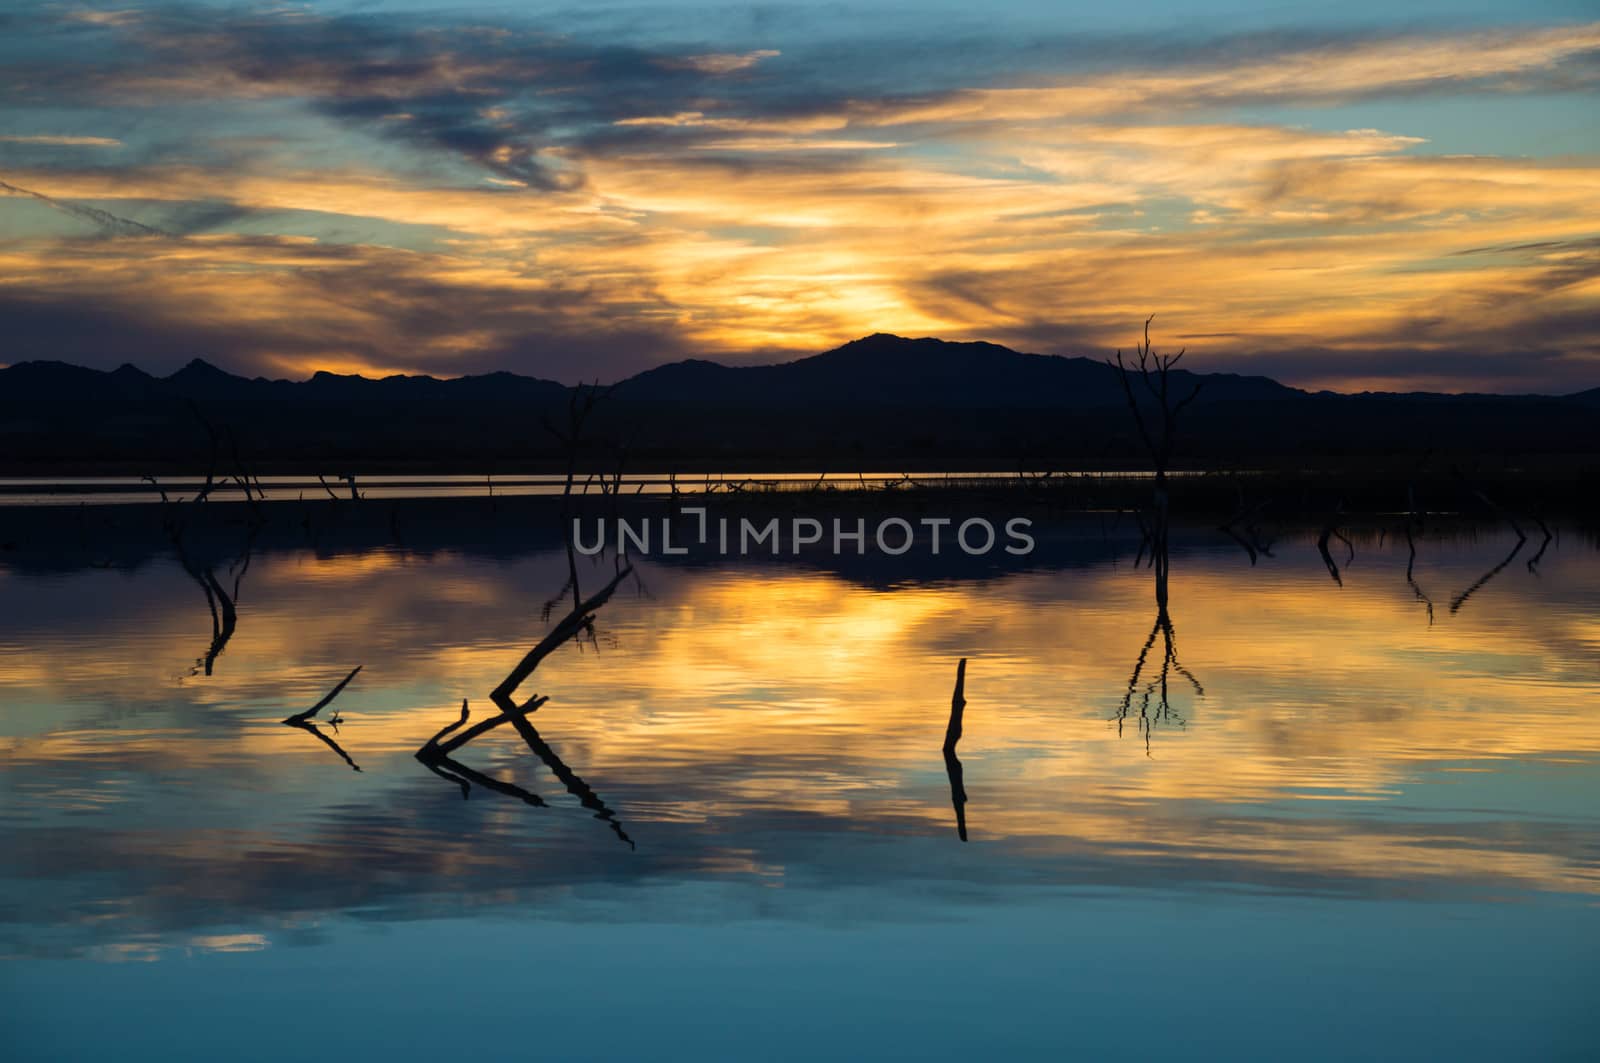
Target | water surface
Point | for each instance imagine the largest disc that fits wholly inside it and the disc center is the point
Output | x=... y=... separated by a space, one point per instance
x=1343 y=817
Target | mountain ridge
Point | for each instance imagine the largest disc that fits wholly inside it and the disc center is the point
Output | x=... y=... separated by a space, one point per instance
x=880 y=400
x=879 y=369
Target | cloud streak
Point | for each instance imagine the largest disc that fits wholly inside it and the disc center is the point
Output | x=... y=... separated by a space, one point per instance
x=453 y=195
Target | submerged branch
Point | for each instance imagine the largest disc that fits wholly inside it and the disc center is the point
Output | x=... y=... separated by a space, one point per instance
x=302 y=720
x=435 y=753
x=1461 y=599
x=329 y=696
x=578 y=620
x=952 y=763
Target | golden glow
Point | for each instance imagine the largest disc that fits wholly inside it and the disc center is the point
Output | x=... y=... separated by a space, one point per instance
x=1051 y=217
x=743 y=693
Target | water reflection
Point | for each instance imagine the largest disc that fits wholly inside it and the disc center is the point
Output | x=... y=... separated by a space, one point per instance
x=223 y=607
x=1160 y=687
x=766 y=728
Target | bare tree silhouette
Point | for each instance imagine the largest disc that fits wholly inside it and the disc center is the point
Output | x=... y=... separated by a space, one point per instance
x=580 y=405
x=1159 y=433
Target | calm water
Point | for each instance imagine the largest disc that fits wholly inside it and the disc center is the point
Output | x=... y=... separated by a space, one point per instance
x=1374 y=833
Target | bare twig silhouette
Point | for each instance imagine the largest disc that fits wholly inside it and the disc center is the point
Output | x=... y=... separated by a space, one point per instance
x=300 y=717
x=1533 y=562
x=302 y=720
x=1154 y=372
x=1522 y=540
x=952 y=763
x=580 y=405
x=1461 y=599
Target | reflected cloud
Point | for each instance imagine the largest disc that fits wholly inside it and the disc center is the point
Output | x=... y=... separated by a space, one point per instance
x=766 y=730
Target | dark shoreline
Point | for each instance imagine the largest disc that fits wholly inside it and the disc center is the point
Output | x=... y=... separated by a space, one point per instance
x=1544 y=487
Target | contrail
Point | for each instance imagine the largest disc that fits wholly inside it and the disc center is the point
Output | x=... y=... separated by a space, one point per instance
x=105 y=219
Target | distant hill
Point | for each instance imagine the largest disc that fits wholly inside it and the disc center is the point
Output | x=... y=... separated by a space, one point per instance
x=885 y=370
x=881 y=400
x=202 y=381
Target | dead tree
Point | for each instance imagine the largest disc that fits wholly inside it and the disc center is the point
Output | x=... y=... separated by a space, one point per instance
x=580 y=404
x=1158 y=431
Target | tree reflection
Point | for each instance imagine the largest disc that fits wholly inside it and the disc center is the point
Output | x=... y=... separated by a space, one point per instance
x=223 y=605
x=1148 y=696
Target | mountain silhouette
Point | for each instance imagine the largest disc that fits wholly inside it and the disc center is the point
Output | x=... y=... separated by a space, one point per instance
x=200 y=380
x=886 y=370
x=882 y=399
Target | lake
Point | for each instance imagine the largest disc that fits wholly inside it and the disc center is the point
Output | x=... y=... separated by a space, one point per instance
x=1302 y=812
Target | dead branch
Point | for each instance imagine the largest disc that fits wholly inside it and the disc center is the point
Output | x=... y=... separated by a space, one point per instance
x=1533 y=562
x=952 y=763
x=302 y=720
x=326 y=698
x=435 y=752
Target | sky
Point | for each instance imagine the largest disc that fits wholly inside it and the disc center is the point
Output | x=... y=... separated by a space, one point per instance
x=1349 y=196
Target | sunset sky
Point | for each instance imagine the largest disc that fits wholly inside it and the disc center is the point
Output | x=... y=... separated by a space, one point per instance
x=1361 y=195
